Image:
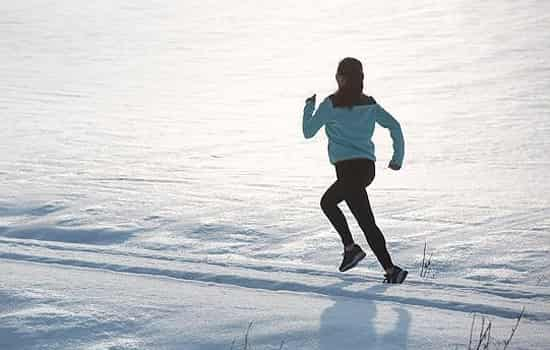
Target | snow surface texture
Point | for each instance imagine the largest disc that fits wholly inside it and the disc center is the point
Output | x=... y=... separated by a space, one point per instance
x=156 y=191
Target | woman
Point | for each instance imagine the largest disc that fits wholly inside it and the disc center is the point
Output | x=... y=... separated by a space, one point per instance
x=349 y=118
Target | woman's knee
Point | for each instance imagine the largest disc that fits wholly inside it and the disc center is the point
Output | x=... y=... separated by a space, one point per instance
x=327 y=202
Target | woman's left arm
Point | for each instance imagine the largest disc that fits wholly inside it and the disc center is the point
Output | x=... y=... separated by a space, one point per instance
x=313 y=121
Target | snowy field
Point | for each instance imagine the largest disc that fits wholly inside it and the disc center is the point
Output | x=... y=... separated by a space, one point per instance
x=156 y=191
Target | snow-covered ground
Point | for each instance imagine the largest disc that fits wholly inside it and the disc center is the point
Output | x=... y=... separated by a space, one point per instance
x=156 y=191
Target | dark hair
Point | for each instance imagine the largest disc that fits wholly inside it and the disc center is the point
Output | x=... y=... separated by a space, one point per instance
x=349 y=94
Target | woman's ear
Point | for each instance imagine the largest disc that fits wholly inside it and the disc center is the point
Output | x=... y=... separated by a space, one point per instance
x=341 y=80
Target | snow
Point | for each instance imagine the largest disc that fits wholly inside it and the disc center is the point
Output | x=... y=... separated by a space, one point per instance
x=135 y=301
x=157 y=191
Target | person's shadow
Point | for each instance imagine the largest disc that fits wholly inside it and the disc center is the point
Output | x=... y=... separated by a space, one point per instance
x=349 y=322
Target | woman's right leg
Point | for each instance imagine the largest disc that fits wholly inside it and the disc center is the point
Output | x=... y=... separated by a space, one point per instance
x=359 y=205
x=354 y=175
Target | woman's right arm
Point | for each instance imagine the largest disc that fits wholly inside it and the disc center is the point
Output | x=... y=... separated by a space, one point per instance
x=386 y=120
x=313 y=121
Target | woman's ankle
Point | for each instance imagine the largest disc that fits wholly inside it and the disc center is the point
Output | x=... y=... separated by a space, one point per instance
x=349 y=247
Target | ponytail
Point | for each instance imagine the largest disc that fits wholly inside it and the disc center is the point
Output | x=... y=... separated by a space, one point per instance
x=349 y=94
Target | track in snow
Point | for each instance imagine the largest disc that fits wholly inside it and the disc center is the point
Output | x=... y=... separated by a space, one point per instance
x=455 y=295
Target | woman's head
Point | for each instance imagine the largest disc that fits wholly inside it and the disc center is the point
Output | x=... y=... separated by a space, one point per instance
x=349 y=76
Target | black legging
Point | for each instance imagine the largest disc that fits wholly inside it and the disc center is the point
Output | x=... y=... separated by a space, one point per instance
x=352 y=177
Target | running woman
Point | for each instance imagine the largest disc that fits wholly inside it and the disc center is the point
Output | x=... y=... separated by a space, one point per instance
x=349 y=117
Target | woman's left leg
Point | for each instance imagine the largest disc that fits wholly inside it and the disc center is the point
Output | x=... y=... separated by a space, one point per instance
x=329 y=204
x=335 y=194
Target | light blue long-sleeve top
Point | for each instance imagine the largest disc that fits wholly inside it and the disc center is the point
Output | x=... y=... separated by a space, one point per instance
x=350 y=131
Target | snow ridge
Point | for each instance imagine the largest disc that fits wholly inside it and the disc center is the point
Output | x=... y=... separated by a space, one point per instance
x=457 y=295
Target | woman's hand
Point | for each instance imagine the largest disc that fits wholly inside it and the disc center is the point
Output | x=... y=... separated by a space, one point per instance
x=394 y=166
x=311 y=99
